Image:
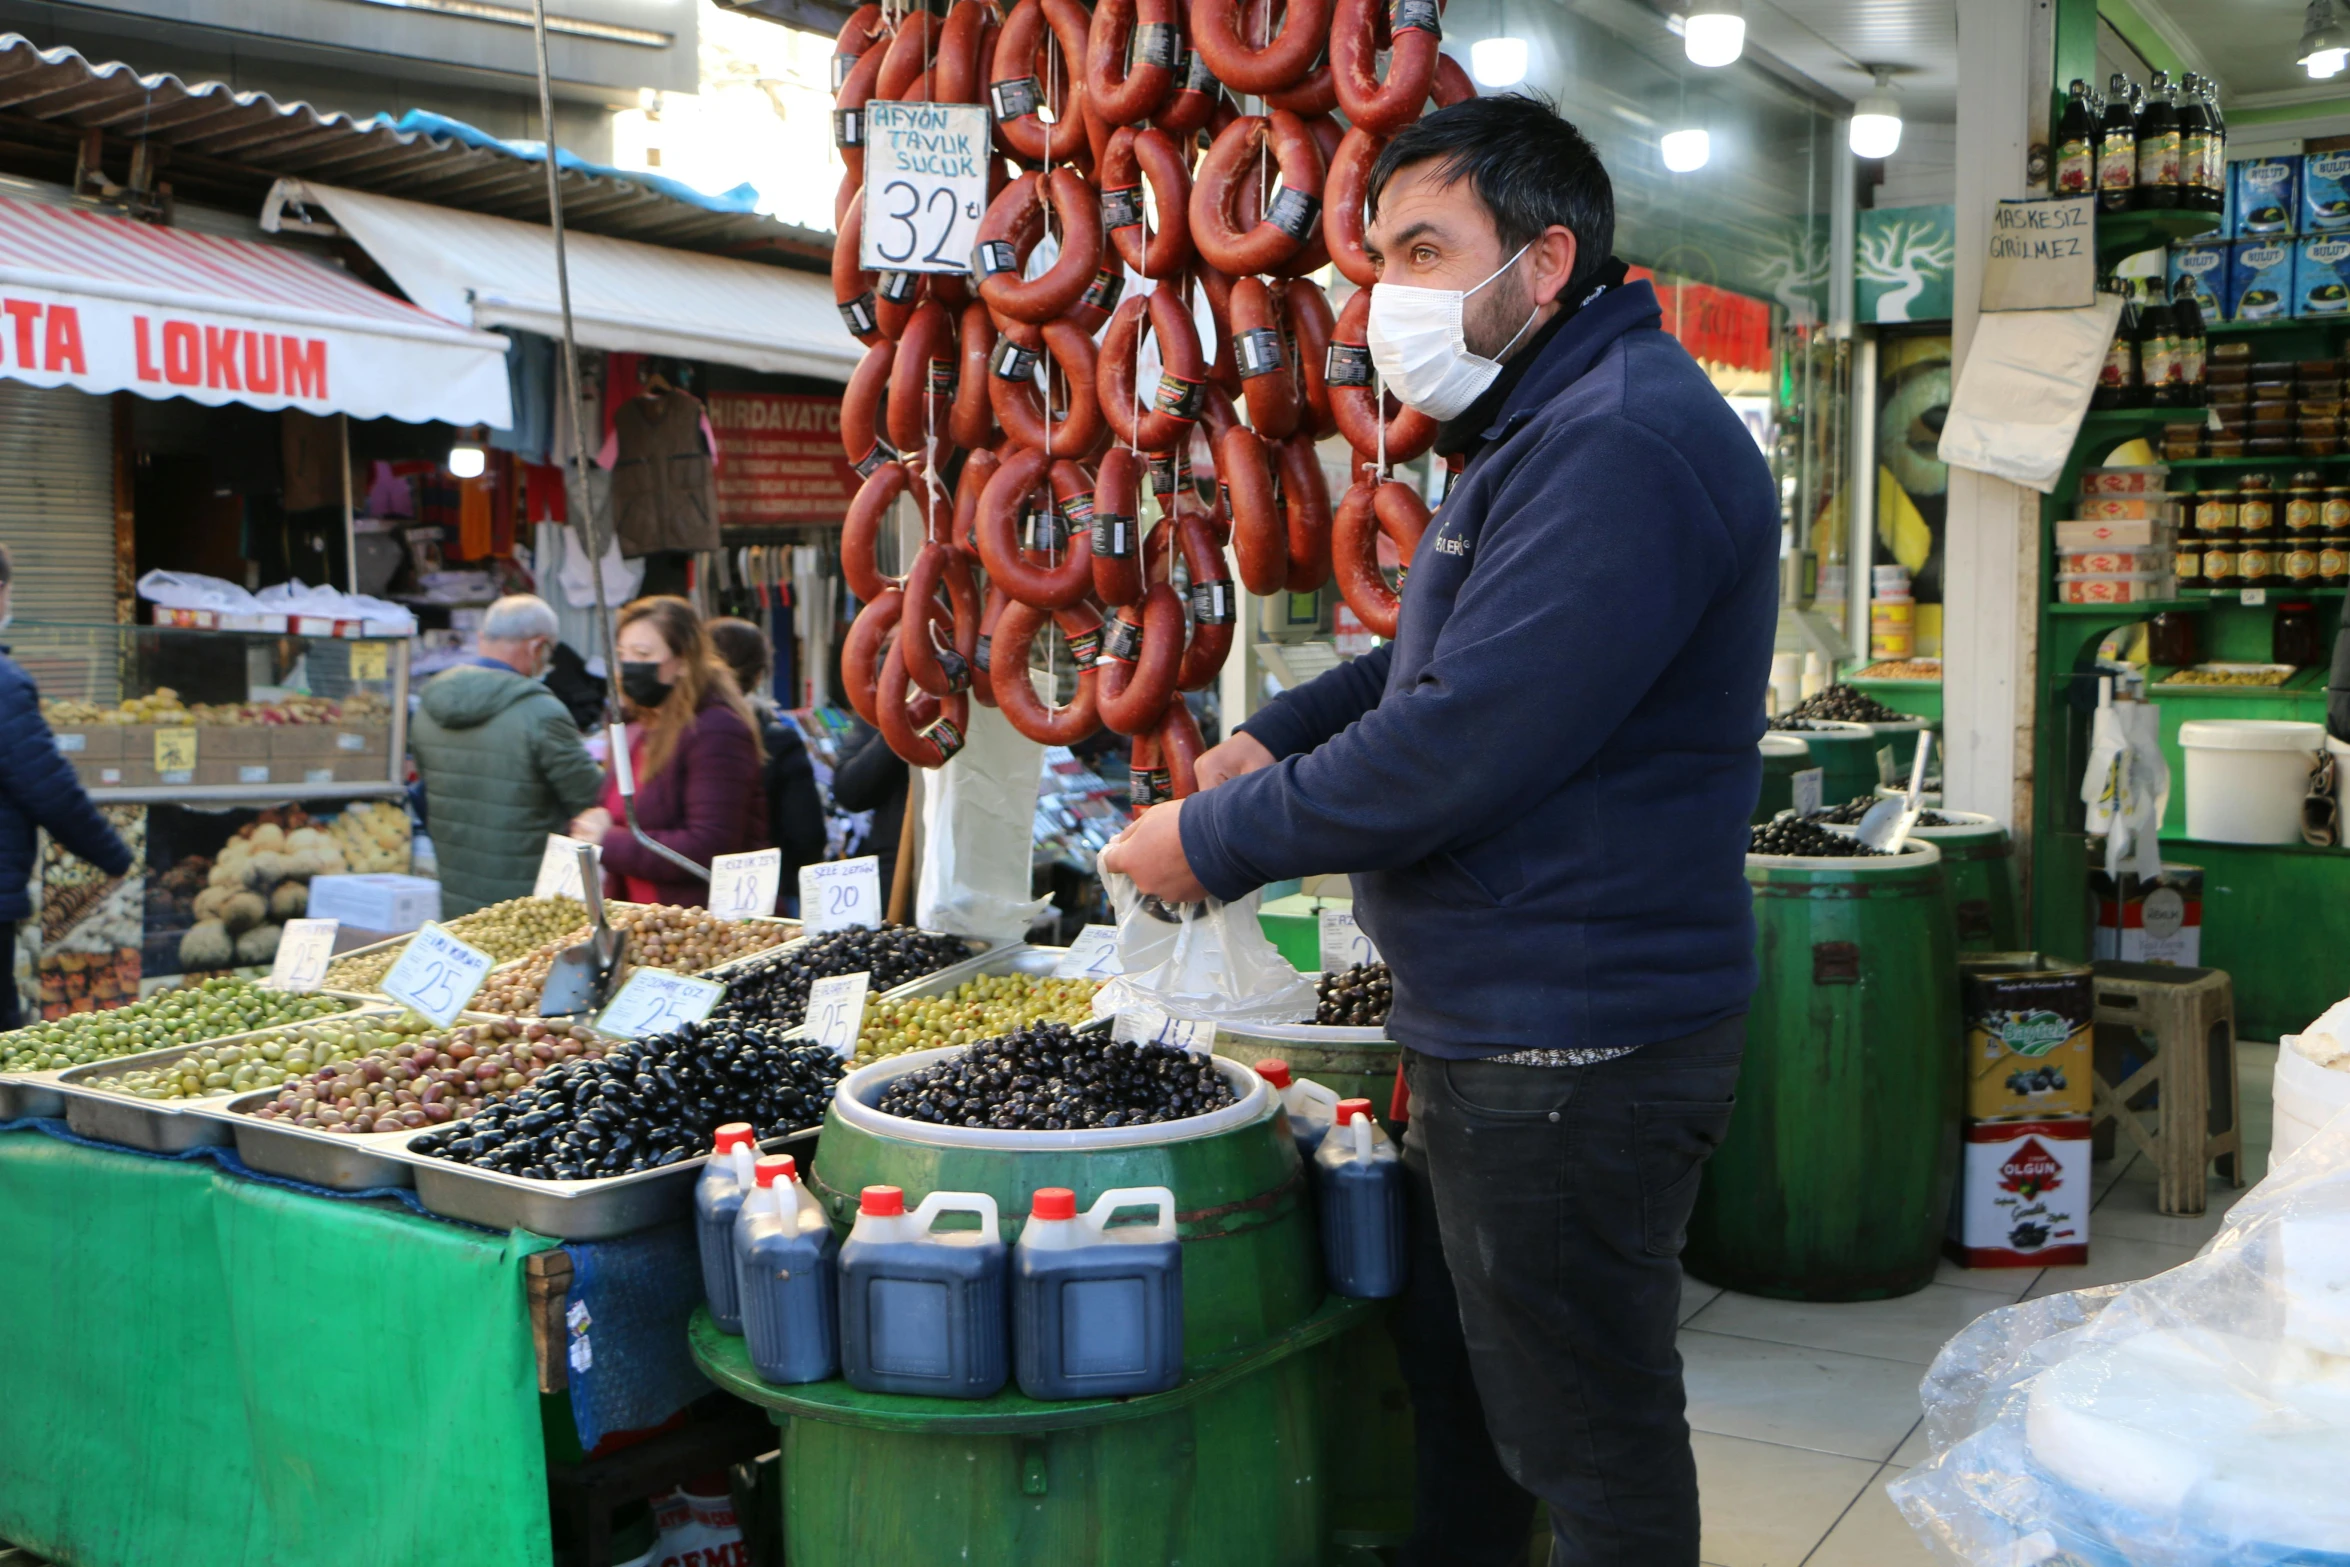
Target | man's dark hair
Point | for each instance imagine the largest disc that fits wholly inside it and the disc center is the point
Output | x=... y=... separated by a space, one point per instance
x=1530 y=167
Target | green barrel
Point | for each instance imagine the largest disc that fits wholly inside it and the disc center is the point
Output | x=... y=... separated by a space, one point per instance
x=1783 y=756
x=1834 y=1181
x=1979 y=870
x=1227 y=1468
x=1847 y=756
x=1367 y=1430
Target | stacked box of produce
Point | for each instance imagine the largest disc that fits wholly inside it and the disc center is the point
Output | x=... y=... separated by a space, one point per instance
x=2118 y=546
x=87 y=955
x=288 y=740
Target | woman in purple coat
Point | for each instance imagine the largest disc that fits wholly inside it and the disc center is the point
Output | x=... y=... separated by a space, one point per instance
x=694 y=750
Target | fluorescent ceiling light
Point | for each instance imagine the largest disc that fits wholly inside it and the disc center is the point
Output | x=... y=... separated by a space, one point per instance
x=1876 y=120
x=1685 y=152
x=1498 y=62
x=1714 y=32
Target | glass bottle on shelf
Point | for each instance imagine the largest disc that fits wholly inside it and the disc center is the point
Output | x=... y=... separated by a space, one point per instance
x=2256 y=561
x=2117 y=378
x=2076 y=144
x=2215 y=175
x=2219 y=561
x=2194 y=347
x=2298 y=637
x=2195 y=147
x=2170 y=638
x=2158 y=145
x=2186 y=561
x=2117 y=150
x=2158 y=350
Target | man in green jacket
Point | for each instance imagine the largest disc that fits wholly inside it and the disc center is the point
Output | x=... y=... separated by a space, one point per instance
x=503 y=763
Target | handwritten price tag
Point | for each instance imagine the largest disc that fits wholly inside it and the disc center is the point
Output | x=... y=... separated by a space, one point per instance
x=437 y=974
x=925 y=185
x=1093 y=955
x=371 y=661
x=1343 y=943
x=559 y=869
x=655 y=1001
x=837 y=894
x=1810 y=785
x=836 y=1011
x=742 y=885
x=302 y=954
x=1149 y=1025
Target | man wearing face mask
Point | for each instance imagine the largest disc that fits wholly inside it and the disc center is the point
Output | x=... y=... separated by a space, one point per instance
x=502 y=762
x=1541 y=787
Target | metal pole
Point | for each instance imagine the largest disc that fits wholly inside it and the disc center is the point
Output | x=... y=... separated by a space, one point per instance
x=586 y=519
x=350 y=526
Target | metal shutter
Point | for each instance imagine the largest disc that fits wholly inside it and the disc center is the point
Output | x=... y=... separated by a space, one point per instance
x=57 y=502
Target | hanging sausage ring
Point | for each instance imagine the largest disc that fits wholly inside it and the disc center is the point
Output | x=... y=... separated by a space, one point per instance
x=1013 y=224
x=1166 y=420
x=1289 y=216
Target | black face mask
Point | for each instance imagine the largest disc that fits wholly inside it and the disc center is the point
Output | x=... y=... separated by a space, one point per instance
x=642 y=684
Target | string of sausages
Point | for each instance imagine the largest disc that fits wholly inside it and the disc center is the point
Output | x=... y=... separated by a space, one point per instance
x=1119 y=132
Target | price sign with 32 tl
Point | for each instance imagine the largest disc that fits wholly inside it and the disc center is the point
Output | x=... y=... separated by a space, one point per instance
x=925 y=185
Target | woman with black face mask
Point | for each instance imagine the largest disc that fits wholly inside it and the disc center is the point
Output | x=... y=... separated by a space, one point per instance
x=695 y=754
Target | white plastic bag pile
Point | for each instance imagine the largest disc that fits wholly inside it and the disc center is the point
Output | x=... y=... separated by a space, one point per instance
x=1206 y=962
x=2200 y=1418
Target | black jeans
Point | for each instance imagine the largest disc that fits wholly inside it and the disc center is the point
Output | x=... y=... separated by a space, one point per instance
x=10 y=1015
x=1548 y=1207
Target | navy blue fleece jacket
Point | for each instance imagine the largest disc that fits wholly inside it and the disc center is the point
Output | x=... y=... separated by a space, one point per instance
x=1542 y=785
x=38 y=789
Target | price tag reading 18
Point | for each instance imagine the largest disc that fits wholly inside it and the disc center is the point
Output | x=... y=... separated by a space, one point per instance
x=742 y=885
x=437 y=975
x=925 y=185
x=655 y=1001
x=836 y=894
x=1344 y=945
x=836 y=1011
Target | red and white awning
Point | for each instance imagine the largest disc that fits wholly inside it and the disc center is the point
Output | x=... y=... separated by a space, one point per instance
x=108 y=304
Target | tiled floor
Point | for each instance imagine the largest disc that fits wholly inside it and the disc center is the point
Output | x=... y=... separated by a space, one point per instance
x=1804 y=1414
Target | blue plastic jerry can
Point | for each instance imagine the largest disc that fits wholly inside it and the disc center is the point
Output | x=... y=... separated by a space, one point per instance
x=1310 y=1106
x=718 y=1197
x=1360 y=1192
x=786 y=1264
x=923 y=1311
x=1097 y=1312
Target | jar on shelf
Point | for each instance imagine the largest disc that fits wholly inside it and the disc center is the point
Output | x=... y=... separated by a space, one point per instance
x=2298 y=636
x=2170 y=638
x=2297 y=563
x=2256 y=561
x=2215 y=511
x=2256 y=504
x=2333 y=508
x=2219 y=561
x=2187 y=558
x=2333 y=558
x=2301 y=502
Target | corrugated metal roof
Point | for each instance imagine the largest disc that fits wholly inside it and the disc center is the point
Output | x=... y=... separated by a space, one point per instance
x=240 y=142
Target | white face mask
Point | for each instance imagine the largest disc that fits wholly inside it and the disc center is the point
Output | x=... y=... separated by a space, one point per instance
x=1419 y=344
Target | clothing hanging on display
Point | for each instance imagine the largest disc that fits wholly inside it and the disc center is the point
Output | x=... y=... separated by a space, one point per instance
x=552 y=548
x=622 y=577
x=664 y=489
x=531 y=372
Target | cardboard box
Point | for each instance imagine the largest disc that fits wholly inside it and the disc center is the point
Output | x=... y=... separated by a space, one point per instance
x=2115 y=559
x=358 y=769
x=380 y=901
x=2267 y=194
x=233 y=742
x=2321 y=275
x=2022 y=1199
x=90 y=743
x=2120 y=587
x=313 y=770
x=2325 y=191
x=102 y=774
x=349 y=742
x=2205 y=267
x=2083 y=533
x=2152 y=479
x=2029 y=1023
x=2260 y=279
x=241 y=770
x=297 y=743
x=2127 y=508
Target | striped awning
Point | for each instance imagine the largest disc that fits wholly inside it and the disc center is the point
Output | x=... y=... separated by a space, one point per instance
x=108 y=304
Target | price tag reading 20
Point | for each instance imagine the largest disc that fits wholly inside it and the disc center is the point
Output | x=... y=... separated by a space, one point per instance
x=437 y=974
x=836 y=894
x=925 y=185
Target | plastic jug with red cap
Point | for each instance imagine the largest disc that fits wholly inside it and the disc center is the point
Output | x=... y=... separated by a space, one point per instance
x=1097 y=1312
x=923 y=1310
x=1311 y=1107
x=785 y=1258
x=718 y=1197
x=1360 y=1190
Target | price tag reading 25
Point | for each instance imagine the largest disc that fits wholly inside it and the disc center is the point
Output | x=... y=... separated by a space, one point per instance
x=655 y=1001
x=836 y=1011
x=925 y=185
x=437 y=975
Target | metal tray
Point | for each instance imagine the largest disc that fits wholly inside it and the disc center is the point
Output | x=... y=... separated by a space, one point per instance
x=158 y=1125
x=25 y=1095
x=568 y=1210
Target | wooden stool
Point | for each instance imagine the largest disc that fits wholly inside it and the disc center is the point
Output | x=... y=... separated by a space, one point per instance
x=2187 y=1016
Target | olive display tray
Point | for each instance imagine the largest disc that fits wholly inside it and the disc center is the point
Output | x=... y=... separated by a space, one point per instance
x=981 y=952
x=393 y=943
x=108 y=1115
x=567 y=1210
x=29 y=1095
x=340 y=1161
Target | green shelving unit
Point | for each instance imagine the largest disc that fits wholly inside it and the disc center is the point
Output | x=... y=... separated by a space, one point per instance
x=2124 y=234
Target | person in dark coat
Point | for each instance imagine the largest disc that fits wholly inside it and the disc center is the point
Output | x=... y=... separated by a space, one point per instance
x=694 y=754
x=795 y=806
x=37 y=789
x=1542 y=788
x=872 y=777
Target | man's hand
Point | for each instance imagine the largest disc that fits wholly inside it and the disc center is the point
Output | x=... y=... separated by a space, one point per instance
x=592 y=824
x=1151 y=851
x=1222 y=763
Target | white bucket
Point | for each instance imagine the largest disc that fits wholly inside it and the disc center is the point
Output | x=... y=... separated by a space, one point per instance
x=2306 y=1096
x=2247 y=777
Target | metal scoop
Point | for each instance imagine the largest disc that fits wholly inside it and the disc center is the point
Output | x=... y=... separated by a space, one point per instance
x=583 y=975
x=1886 y=824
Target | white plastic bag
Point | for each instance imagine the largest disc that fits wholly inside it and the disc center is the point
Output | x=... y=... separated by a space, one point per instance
x=1206 y=962
x=194 y=590
x=979 y=834
x=2199 y=1418
x=2126 y=785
